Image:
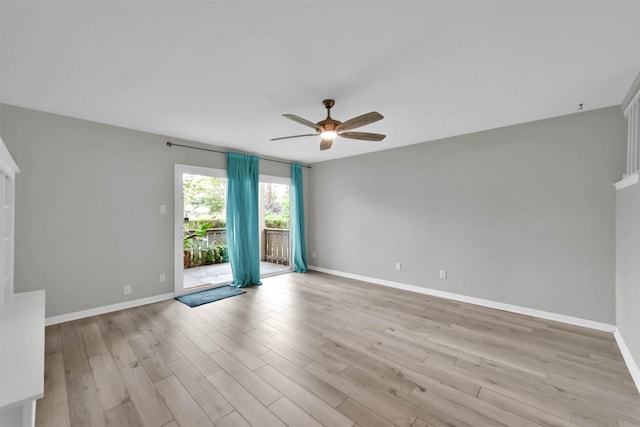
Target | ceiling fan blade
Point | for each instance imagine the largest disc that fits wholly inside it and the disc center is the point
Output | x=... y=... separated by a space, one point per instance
x=294 y=136
x=301 y=121
x=325 y=144
x=363 y=135
x=362 y=120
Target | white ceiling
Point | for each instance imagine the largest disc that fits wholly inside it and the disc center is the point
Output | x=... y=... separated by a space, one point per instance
x=222 y=73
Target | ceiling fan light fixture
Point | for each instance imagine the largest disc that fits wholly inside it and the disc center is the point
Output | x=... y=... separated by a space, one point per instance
x=328 y=134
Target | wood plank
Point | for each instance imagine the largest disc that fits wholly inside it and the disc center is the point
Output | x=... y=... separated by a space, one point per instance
x=292 y=415
x=205 y=394
x=123 y=415
x=248 y=406
x=144 y=395
x=298 y=331
x=84 y=404
x=196 y=356
x=56 y=415
x=222 y=316
x=244 y=356
x=55 y=386
x=311 y=352
x=159 y=342
x=306 y=400
x=111 y=389
x=76 y=362
x=126 y=325
x=261 y=389
x=105 y=322
x=386 y=373
x=516 y=387
x=535 y=391
x=234 y=419
x=618 y=402
x=185 y=410
x=197 y=318
x=529 y=412
x=374 y=402
x=468 y=408
x=52 y=339
x=119 y=348
x=244 y=340
x=436 y=414
x=402 y=348
x=52 y=409
x=162 y=316
x=93 y=340
x=279 y=348
x=324 y=391
x=153 y=364
x=624 y=421
x=198 y=338
x=360 y=414
x=587 y=418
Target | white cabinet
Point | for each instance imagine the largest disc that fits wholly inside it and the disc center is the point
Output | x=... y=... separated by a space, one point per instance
x=21 y=319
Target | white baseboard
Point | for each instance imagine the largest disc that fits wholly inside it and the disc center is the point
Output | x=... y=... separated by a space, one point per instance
x=53 y=320
x=606 y=327
x=628 y=358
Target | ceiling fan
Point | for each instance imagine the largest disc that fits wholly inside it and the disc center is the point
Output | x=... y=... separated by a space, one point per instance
x=329 y=128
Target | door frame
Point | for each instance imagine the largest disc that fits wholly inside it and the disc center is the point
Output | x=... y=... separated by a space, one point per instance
x=178 y=245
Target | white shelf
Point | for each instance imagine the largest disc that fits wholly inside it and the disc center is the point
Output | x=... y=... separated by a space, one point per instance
x=628 y=181
x=22 y=349
x=21 y=320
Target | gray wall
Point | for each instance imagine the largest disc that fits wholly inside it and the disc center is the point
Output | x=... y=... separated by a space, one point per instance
x=522 y=215
x=628 y=267
x=87 y=208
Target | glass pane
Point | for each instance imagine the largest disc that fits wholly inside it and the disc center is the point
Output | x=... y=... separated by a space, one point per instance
x=205 y=260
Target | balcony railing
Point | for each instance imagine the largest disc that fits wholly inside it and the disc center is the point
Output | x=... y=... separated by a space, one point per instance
x=216 y=235
x=276 y=243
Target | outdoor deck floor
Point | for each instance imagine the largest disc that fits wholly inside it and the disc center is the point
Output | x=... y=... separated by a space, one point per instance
x=221 y=273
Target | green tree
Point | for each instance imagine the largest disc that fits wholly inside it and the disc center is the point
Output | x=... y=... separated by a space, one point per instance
x=204 y=192
x=276 y=206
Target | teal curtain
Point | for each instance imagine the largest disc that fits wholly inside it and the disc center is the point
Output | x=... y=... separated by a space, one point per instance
x=298 y=246
x=242 y=219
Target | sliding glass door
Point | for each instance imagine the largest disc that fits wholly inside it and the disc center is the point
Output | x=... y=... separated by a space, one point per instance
x=201 y=247
x=202 y=259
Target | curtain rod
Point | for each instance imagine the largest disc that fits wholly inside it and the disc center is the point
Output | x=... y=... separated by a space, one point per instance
x=171 y=144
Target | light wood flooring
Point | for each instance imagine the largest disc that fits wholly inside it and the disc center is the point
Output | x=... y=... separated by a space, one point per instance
x=318 y=350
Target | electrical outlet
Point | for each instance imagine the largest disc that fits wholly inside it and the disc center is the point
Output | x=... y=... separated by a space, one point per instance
x=163 y=209
x=443 y=274
x=163 y=277
x=398 y=266
x=313 y=255
x=127 y=289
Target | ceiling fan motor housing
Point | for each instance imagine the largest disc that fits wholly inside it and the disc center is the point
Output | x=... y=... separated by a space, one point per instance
x=328 y=124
